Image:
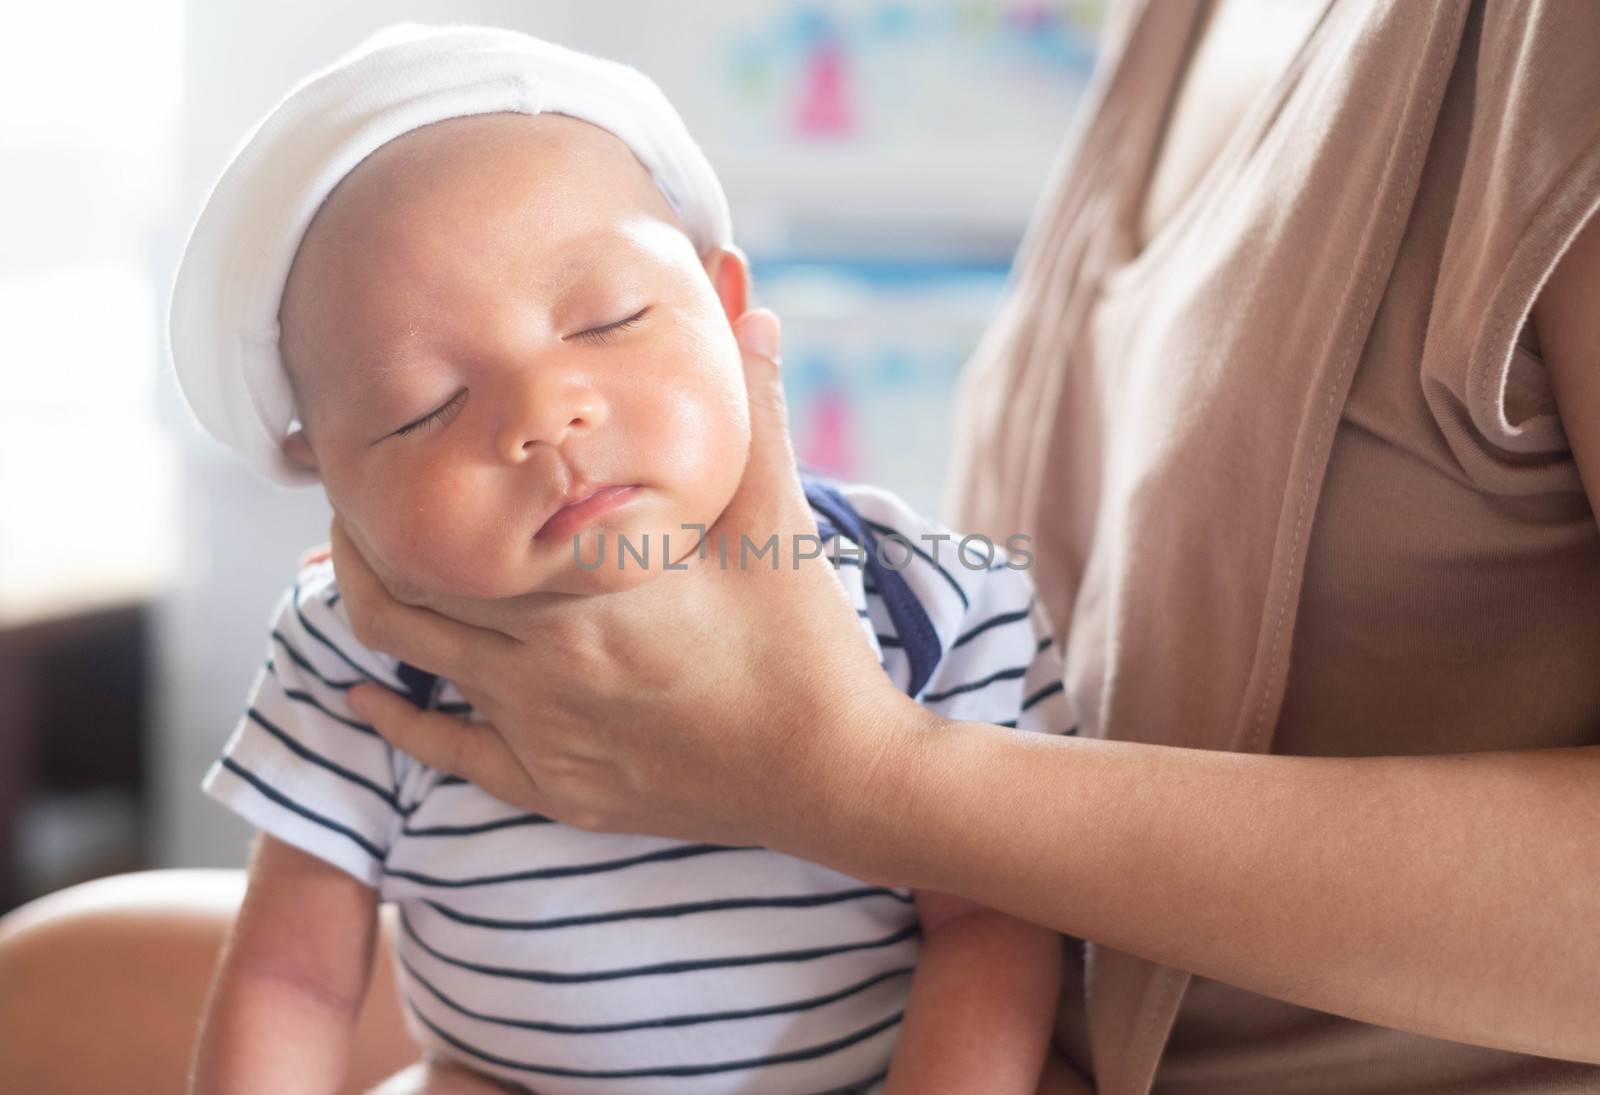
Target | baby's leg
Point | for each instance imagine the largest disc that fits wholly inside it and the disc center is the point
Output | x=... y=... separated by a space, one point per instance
x=1060 y=1078
x=102 y=986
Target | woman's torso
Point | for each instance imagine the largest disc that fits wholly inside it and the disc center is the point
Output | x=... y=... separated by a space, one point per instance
x=1293 y=469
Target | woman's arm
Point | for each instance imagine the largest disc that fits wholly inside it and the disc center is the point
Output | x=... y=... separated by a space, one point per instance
x=983 y=1002
x=291 y=980
x=1453 y=896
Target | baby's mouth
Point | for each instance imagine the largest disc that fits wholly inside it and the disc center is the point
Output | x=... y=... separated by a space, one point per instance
x=573 y=515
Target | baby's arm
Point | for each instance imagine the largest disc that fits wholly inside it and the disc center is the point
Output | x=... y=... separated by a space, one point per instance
x=983 y=1002
x=292 y=977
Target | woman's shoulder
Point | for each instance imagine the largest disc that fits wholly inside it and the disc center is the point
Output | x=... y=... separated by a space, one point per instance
x=1517 y=150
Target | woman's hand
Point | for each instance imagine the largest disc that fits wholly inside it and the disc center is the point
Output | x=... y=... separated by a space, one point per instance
x=708 y=704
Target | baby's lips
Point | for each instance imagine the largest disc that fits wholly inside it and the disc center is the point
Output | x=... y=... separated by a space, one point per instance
x=315 y=556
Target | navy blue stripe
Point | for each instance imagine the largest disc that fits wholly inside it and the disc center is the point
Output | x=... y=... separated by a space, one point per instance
x=989 y=564
x=333 y=599
x=682 y=851
x=827 y=527
x=659 y=912
x=418 y=682
x=806 y=1054
x=922 y=646
x=300 y=660
x=1043 y=644
x=1047 y=691
x=972 y=686
x=301 y=696
x=388 y=795
x=310 y=815
x=880 y=527
x=889 y=641
x=294 y=598
x=994 y=621
x=481 y=827
x=659 y=969
x=660 y=1022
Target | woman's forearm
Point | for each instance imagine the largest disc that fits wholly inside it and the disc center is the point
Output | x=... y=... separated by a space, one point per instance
x=1453 y=896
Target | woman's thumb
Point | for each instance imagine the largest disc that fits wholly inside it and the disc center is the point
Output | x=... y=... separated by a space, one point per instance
x=771 y=465
x=759 y=333
x=759 y=337
x=474 y=751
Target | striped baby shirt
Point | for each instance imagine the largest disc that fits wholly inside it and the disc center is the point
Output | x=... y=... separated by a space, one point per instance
x=579 y=963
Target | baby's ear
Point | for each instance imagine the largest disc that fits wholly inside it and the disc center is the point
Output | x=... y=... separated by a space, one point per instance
x=298 y=449
x=730 y=275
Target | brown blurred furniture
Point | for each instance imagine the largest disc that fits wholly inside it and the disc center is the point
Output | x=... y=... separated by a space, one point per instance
x=73 y=696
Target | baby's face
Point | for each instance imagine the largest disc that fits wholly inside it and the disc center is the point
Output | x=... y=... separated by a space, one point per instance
x=491 y=316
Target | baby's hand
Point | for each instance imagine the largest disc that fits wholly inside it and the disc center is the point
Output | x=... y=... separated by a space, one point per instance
x=430 y=1077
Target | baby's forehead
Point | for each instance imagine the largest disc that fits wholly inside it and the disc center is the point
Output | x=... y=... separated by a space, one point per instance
x=464 y=190
x=473 y=164
x=541 y=198
x=461 y=189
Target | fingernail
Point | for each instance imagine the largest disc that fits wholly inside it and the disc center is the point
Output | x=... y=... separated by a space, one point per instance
x=758 y=333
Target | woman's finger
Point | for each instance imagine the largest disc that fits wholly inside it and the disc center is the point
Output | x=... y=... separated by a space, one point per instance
x=440 y=644
x=765 y=501
x=474 y=751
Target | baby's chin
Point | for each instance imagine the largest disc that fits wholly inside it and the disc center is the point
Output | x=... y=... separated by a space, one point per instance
x=609 y=560
x=604 y=560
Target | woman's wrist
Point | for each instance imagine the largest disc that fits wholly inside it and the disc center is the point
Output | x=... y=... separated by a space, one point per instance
x=851 y=782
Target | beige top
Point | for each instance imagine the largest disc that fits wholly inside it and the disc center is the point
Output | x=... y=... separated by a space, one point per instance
x=1302 y=422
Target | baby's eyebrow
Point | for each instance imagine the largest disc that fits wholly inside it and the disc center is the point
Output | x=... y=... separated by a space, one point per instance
x=581 y=254
x=358 y=392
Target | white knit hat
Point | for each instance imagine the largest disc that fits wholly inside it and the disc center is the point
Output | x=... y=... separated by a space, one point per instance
x=224 y=320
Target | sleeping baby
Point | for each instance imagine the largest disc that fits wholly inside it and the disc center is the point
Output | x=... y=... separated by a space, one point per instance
x=482 y=290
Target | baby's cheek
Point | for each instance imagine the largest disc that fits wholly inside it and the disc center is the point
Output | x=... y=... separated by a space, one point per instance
x=685 y=464
x=435 y=542
x=703 y=437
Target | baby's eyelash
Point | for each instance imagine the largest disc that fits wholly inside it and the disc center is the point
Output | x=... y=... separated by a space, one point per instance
x=609 y=331
x=435 y=415
x=595 y=334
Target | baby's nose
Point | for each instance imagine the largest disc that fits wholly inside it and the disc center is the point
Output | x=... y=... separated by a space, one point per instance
x=546 y=410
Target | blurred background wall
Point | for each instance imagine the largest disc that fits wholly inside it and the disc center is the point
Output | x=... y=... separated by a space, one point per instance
x=881 y=156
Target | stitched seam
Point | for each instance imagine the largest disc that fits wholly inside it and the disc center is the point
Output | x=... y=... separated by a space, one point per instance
x=1329 y=407
x=1515 y=297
